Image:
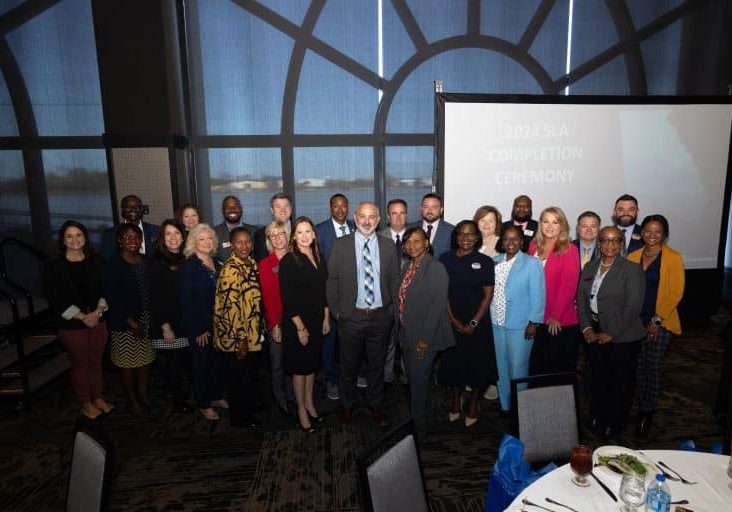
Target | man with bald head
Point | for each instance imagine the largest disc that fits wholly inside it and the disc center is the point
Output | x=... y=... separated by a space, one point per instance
x=521 y=217
x=131 y=210
x=362 y=286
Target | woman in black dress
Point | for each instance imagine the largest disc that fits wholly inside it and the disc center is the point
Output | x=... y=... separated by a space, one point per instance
x=305 y=316
x=472 y=361
x=172 y=352
x=128 y=293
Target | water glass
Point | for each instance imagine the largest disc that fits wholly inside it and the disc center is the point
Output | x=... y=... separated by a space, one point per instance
x=632 y=491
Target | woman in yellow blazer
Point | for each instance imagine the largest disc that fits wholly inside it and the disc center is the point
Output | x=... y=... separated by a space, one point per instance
x=238 y=328
x=664 y=270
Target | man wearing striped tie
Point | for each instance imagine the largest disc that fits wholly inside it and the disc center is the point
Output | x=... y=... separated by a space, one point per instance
x=588 y=227
x=363 y=280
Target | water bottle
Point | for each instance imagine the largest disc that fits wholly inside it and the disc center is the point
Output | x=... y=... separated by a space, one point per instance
x=658 y=497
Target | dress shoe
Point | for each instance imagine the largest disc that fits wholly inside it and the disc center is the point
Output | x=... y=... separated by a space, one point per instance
x=471 y=422
x=644 y=425
x=210 y=414
x=315 y=419
x=453 y=416
x=332 y=391
x=380 y=418
x=346 y=416
x=491 y=393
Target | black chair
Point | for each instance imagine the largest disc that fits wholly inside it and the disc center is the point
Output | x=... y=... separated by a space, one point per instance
x=89 y=476
x=390 y=473
x=545 y=416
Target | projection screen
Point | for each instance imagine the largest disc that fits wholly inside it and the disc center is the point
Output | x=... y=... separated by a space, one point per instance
x=673 y=157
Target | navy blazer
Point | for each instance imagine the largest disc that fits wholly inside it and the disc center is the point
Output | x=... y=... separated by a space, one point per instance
x=442 y=241
x=327 y=235
x=636 y=242
x=197 y=292
x=110 y=247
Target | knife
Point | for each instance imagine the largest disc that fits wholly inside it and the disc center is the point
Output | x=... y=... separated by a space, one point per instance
x=604 y=487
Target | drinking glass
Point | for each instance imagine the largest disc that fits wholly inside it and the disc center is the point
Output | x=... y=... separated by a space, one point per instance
x=581 y=464
x=632 y=491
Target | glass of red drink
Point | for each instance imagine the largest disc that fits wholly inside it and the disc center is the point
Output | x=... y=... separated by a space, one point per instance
x=581 y=464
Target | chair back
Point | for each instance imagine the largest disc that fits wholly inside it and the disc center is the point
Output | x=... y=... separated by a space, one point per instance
x=88 y=472
x=546 y=416
x=390 y=473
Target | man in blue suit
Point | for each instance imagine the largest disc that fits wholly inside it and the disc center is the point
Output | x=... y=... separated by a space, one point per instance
x=328 y=231
x=131 y=211
x=625 y=214
x=438 y=230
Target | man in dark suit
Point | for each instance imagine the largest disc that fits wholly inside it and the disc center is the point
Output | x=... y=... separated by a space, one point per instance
x=362 y=286
x=280 y=205
x=521 y=217
x=328 y=231
x=232 y=211
x=588 y=227
x=438 y=230
x=625 y=214
x=131 y=211
x=396 y=213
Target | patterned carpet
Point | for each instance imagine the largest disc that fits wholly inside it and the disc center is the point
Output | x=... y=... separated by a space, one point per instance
x=182 y=462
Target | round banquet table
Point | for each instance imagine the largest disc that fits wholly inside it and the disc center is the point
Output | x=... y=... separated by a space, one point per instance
x=713 y=493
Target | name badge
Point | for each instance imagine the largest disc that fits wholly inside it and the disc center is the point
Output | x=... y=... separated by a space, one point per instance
x=276 y=269
x=635 y=236
x=529 y=232
x=226 y=245
x=475 y=266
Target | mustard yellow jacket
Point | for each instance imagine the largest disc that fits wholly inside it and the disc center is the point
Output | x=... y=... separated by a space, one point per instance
x=238 y=305
x=670 y=286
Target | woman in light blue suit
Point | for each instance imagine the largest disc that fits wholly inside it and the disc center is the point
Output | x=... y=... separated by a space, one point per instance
x=517 y=308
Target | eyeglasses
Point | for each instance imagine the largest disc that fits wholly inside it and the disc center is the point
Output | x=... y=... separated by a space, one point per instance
x=275 y=236
x=614 y=241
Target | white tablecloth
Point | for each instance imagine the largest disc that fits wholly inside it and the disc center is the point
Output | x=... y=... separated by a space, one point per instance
x=711 y=494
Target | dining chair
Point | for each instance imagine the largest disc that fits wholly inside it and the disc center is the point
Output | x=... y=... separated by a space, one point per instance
x=390 y=472
x=88 y=476
x=545 y=416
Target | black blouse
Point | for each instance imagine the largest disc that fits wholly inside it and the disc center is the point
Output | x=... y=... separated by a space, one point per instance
x=73 y=283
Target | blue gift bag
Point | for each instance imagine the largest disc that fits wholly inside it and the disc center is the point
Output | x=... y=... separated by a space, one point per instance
x=511 y=475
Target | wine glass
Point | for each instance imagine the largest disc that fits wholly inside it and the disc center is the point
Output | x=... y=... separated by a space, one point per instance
x=632 y=491
x=581 y=464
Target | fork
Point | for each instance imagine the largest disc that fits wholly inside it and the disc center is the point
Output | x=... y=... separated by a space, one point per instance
x=683 y=480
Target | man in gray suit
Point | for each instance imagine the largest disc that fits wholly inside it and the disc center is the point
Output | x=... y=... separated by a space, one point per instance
x=232 y=211
x=362 y=286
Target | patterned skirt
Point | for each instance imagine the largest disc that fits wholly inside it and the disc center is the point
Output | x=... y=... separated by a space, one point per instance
x=129 y=351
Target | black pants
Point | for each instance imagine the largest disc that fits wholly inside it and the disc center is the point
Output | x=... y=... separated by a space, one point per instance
x=363 y=334
x=242 y=386
x=554 y=354
x=613 y=368
x=174 y=365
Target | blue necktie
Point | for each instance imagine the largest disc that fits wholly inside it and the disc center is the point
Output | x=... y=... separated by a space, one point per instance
x=368 y=267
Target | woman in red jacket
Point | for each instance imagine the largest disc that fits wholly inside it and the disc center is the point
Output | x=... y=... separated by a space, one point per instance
x=557 y=339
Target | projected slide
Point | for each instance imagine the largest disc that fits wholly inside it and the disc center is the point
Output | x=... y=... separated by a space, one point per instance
x=673 y=158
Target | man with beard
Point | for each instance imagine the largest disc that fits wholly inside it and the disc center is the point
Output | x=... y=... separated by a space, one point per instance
x=280 y=206
x=521 y=217
x=232 y=211
x=362 y=286
x=438 y=230
x=624 y=216
x=131 y=211
x=335 y=227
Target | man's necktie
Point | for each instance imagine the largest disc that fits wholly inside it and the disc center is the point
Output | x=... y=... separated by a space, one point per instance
x=368 y=267
x=625 y=245
x=585 y=256
x=343 y=230
x=429 y=232
x=399 y=246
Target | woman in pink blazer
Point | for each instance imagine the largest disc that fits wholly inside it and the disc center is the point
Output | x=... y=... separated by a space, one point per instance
x=557 y=339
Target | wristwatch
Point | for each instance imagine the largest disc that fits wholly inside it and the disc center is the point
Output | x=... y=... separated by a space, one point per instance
x=473 y=323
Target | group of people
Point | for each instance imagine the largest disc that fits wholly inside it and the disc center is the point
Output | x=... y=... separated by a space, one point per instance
x=476 y=305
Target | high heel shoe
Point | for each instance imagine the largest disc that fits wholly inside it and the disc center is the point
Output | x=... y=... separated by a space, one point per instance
x=308 y=430
x=453 y=416
x=470 y=422
x=315 y=419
